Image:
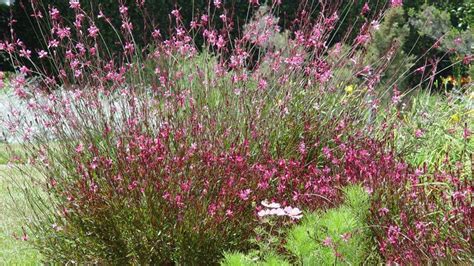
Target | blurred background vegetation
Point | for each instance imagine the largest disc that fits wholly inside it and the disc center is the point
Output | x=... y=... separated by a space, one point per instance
x=451 y=20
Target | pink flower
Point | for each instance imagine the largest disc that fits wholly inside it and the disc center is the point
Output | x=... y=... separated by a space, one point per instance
x=53 y=43
x=393 y=234
x=218 y=3
x=54 y=13
x=74 y=4
x=365 y=9
x=262 y=84
x=362 y=39
x=129 y=47
x=79 y=148
x=64 y=32
x=123 y=10
x=302 y=148
x=176 y=13
x=254 y=2
x=346 y=236
x=204 y=19
x=295 y=61
x=220 y=42
x=126 y=25
x=396 y=97
x=134 y=185
x=93 y=31
x=24 y=70
x=467 y=59
x=95 y=163
x=244 y=194
x=156 y=33
x=419 y=133
x=327 y=152
x=327 y=242
x=25 y=53
x=458 y=41
x=396 y=3
x=42 y=54
x=458 y=196
x=101 y=14
x=466 y=133
x=223 y=17
x=78 y=22
x=383 y=211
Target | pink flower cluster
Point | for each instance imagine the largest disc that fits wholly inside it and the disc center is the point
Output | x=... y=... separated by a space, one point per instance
x=421 y=222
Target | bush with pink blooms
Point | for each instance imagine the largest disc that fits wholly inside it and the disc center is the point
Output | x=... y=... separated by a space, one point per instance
x=162 y=154
x=427 y=217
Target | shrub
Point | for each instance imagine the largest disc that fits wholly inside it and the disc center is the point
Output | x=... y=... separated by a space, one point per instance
x=445 y=24
x=425 y=217
x=337 y=236
x=159 y=154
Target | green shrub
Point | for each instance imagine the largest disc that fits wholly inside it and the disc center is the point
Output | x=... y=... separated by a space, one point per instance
x=337 y=236
x=387 y=39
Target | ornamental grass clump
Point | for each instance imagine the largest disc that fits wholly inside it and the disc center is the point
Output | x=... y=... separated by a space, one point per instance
x=159 y=154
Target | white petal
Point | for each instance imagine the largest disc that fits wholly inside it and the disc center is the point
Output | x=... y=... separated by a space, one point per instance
x=272 y=205
x=262 y=213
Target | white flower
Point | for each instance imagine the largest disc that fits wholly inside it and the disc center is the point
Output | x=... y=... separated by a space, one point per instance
x=293 y=213
x=275 y=209
x=278 y=212
x=272 y=205
x=56 y=227
x=263 y=213
x=375 y=24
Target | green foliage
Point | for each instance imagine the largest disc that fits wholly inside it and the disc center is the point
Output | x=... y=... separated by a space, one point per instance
x=430 y=20
x=9 y=150
x=240 y=259
x=338 y=236
x=436 y=24
x=442 y=123
x=236 y=259
x=388 y=41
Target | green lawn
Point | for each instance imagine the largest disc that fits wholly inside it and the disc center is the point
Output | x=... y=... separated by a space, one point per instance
x=12 y=251
x=6 y=150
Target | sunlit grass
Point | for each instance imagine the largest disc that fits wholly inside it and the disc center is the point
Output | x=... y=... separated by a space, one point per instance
x=4 y=153
x=12 y=205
